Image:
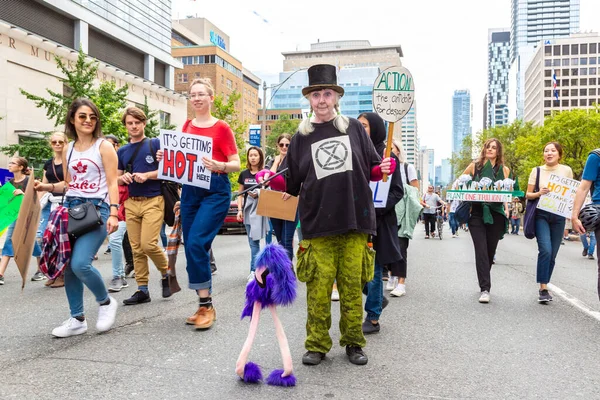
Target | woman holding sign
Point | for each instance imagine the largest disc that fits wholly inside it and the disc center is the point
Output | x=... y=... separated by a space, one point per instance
x=549 y=227
x=330 y=163
x=488 y=222
x=203 y=210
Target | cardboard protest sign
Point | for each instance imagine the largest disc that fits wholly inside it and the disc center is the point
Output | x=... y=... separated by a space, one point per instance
x=270 y=204
x=182 y=158
x=380 y=190
x=487 y=196
x=23 y=238
x=560 y=199
x=9 y=205
x=393 y=93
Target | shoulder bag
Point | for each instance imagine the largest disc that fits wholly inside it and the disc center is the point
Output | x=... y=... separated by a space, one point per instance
x=170 y=193
x=531 y=210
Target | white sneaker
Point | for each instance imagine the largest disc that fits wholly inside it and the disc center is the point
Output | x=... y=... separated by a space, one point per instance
x=335 y=295
x=399 y=290
x=107 y=315
x=391 y=283
x=251 y=277
x=70 y=327
x=485 y=297
x=454 y=235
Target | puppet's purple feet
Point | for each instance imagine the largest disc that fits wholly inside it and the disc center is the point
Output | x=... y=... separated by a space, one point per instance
x=252 y=373
x=276 y=379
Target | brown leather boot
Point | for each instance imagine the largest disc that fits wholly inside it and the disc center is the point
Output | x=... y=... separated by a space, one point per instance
x=192 y=319
x=58 y=282
x=49 y=282
x=205 y=318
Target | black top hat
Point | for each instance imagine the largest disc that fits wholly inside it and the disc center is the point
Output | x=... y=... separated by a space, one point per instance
x=322 y=76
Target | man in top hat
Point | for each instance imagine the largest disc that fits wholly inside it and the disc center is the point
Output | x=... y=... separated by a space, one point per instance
x=331 y=161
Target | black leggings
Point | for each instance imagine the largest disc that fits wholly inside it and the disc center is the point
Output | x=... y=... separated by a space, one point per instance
x=429 y=223
x=485 y=240
x=398 y=268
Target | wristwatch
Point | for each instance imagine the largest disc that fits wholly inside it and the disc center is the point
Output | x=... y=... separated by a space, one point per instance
x=115 y=206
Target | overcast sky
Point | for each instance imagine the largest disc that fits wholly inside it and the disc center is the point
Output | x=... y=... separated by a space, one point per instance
x=444 y=43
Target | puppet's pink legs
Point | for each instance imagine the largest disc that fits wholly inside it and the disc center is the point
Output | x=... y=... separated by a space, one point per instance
x=283 y=344
x=243 y=358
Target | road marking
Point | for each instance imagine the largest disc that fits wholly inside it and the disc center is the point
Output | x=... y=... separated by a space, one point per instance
x=575 y=301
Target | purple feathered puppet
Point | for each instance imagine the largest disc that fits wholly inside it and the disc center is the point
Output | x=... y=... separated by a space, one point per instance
x=274 y=285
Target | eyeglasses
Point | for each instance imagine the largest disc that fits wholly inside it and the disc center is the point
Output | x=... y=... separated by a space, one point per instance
x=55 y=142
x=198 y=95
x=282 y=145
x=83 y=117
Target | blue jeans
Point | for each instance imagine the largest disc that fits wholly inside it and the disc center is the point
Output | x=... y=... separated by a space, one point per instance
x=115 y=241
x=269 y=236
x=80 y=271
x=515 y=225
x=591 y=246
x=374 y=292
x=284 y=232
x=202 y=215
x=549 y=230
x=163 y=235
x=254 y=248
x=8 y=250
x=453 y=223
x=44 y=216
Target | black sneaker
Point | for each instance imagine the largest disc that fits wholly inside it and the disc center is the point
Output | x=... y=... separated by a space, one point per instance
x=384 y=303
x=213 y=268
x=584 y=252
x=108 y=251
x=356 y=355
x=545 y=297
x=138 y=297
x=312 y=358
x=166 y=290
x=368 y=327
x=128 y=269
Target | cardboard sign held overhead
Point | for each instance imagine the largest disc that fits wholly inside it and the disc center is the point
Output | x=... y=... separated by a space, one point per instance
x=23 y=238
x=270 y=204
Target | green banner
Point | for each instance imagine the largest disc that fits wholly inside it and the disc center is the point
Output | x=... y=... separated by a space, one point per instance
x=9 y=205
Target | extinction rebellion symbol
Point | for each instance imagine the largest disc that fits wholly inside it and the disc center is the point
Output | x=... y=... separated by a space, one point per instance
x=331 y=155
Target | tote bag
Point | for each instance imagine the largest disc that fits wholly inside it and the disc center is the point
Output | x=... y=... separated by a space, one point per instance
x=531 y=210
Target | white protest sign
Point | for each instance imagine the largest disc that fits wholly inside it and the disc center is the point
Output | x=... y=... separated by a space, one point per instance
x=479 y=195
x=380 y=190
x=560 y=199
x=393 y=93
x=182 y=158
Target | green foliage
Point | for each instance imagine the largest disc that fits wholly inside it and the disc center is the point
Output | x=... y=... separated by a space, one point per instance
x=36 y=151
x=153 y=123
x=460 y=161
x=111 y=102
x=283 y=125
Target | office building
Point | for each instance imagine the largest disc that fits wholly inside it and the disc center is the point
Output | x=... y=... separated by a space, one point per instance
x=461 y=118
x=498 y=68
x=423 y=170
x=572 y=64
x=446 y=172
x=130 y=40
x=203 y=49
x=410 y=137
x=532 y=22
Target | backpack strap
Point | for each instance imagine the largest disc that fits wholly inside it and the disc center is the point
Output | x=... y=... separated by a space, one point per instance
x=537 y=180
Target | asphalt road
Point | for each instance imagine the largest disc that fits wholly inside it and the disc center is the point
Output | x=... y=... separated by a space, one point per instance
x=436 y=342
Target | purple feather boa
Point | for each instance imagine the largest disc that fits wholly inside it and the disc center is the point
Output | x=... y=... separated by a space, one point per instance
x=252 y=373
x=276 y=379
x=281 y=284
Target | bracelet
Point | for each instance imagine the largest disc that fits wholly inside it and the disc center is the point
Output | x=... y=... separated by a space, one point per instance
x=52 y=187
x=115 y=206
x=111 y=215
x=224 y=166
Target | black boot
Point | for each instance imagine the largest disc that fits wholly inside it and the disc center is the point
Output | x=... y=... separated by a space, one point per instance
x=356 y=355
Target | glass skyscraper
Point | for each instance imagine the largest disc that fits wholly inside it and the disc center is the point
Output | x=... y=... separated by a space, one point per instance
x=498 y=66
x=461 y=118
x=533 y=21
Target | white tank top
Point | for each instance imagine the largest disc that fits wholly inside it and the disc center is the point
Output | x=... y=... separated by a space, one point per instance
x=88 y=179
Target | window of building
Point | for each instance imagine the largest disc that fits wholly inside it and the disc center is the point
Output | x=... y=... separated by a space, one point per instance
x=574 y=72
x=583 y=82
x=593 y=70
x=575 y=49
x=574 y=61
x=565 y=72
x=592 y=81
x=547 y=50
x=583 y=92
x=574 y=92
x=165 y=119
x=565 y=92
x=592 y=91
x=564 y=82
x=583 y=71
x=565 y=49
x=547 y=93
x=547 y=63
x=583 y=102
x=229 y=84
x=593 y=47
x=547 y=83
x=547 y=113
x=565 y=62
x=182 y=78
x=583 y=61
x=197 y=75
x=556 y=62
x=591 y=102
x=565 y=103
x=583 y=48
x=547 y=103
x=222 y=79
x=556 y=50
x=547 y=73
x=573 y=82
x=593 y=60
x=574 y=103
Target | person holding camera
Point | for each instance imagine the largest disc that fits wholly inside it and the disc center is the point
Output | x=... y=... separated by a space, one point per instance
x=144 y=209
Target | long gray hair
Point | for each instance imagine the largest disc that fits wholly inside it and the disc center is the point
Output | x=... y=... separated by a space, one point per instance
x=341 y=122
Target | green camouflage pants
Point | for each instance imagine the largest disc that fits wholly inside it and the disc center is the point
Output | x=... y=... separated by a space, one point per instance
x=348 y=260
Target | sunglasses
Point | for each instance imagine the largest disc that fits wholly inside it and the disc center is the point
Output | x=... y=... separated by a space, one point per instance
x=83 y=117
x=284 y=145
x=55 y=142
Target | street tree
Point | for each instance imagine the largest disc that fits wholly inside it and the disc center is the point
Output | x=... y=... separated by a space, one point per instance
x=285 y=124
x=153 y=122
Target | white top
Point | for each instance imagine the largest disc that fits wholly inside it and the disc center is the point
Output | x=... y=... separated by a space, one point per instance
x=545 y=172
x=454 y=205
x=88 y=179
x=412 y=173
x=431 y=200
